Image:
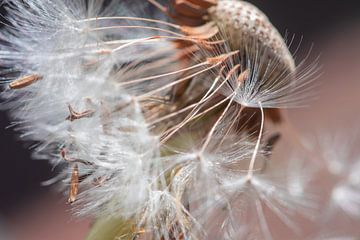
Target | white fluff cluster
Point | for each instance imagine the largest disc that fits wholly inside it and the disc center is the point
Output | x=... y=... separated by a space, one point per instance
x=77 y=113
x=106 y=96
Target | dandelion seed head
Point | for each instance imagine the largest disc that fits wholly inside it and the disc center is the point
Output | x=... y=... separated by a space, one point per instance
x=261 y=68
x=143 y=116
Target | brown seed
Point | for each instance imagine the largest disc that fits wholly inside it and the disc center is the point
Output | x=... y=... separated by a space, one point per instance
x=74 y=184
x=221 y=58
x=204 y=3
x=78 y=115
x=64 y=156
x=243 y=76
x=188 y=9
x=24 y=81
x=205 y=31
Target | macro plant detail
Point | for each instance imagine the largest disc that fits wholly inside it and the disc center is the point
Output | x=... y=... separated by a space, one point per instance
x=162 y=124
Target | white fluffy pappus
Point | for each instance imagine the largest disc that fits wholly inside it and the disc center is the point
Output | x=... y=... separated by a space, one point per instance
x=213 y=178
x=251 y=77
x=76 y=111
x=274 y=79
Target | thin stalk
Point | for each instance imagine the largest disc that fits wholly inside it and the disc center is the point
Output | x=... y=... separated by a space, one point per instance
x=253 y=158
x=212 y=131
x=131 y=19
x=135 y=27
x=163 y=75
x=177 y=82
x=204 y=99
x=182 y=124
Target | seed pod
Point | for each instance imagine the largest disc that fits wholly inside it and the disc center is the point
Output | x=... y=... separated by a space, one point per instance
x=246 y=26
x=25 y=81
x=74 y=184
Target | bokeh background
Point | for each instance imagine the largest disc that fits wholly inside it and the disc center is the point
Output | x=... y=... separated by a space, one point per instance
x=31 y=211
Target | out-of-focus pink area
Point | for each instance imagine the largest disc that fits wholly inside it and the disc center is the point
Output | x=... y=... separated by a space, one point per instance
x=47 y=218
x=338 y=91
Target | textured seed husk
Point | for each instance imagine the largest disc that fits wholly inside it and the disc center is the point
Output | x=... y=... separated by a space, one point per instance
x=245 y=26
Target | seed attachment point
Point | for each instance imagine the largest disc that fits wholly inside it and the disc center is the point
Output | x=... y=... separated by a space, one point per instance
x=221 y=58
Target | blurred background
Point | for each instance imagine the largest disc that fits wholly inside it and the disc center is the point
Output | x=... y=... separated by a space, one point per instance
x=31 y=211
